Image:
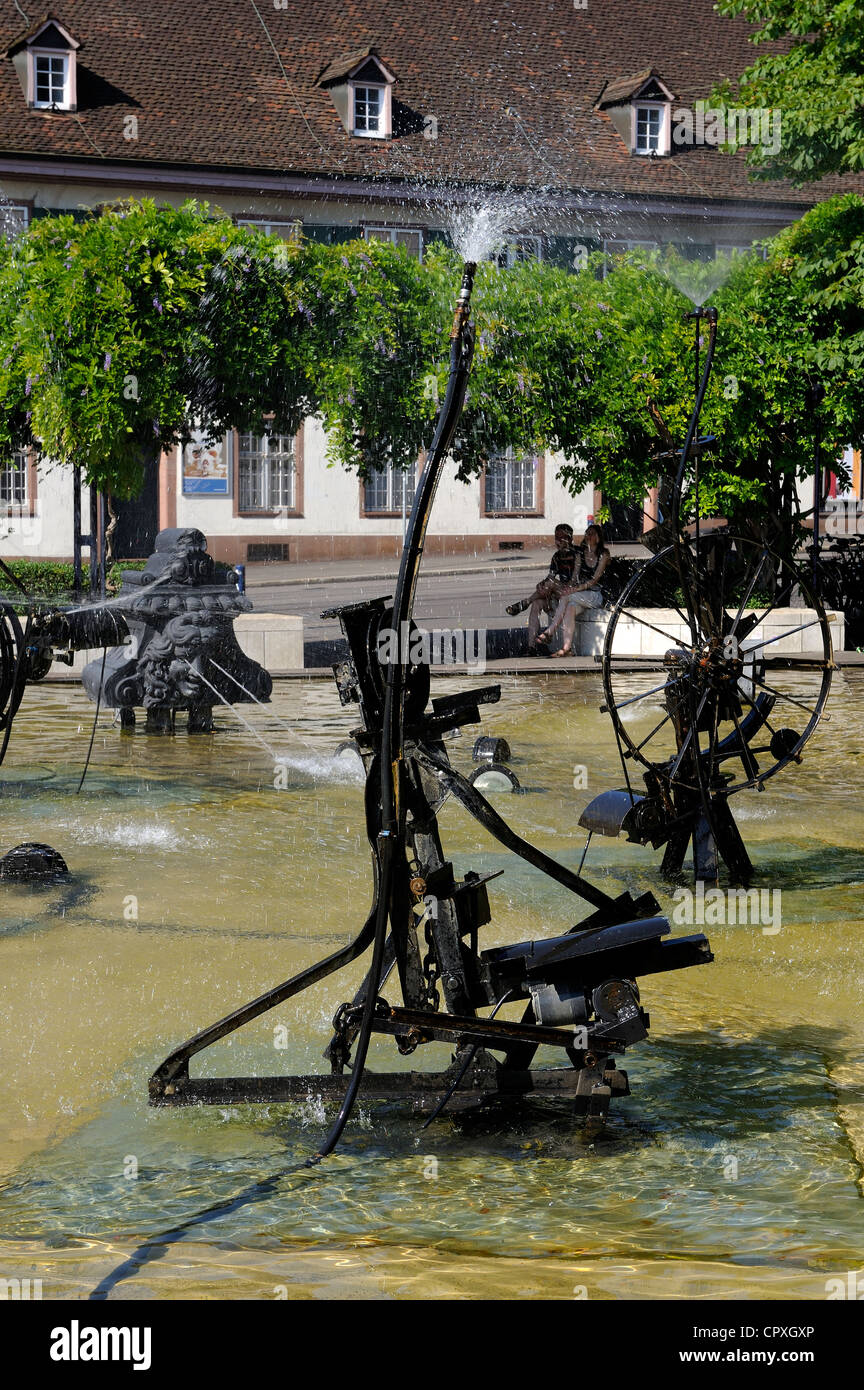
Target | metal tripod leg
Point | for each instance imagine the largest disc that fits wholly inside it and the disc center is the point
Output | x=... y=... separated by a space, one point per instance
x=729 y=842
x=704 y=851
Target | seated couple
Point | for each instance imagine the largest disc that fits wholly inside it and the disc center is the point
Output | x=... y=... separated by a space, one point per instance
x=571 y=586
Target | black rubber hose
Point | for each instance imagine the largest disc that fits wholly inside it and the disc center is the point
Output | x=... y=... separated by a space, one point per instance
x=392 y=732
x=176 y=1062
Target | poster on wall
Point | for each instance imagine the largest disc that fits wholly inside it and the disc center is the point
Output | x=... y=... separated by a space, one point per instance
x=206 y=467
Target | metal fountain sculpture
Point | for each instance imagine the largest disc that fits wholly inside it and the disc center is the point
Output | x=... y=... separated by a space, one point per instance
x=27 y=651
x=183 y=655
x=578 y=986
x=172 y=644
x=724 y=693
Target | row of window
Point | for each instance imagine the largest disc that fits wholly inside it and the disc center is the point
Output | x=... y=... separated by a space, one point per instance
x=267 y=481
x=527 y=246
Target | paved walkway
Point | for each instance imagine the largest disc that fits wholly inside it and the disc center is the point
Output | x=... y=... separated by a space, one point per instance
x=467 y=591
x=277 y=574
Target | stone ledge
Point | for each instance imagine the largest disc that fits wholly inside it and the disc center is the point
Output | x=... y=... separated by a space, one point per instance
x=274 y=640
x=635 y=638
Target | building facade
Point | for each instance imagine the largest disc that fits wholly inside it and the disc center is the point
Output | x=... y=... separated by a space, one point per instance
x=333 y=122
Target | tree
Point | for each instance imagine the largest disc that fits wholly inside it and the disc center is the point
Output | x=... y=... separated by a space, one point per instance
x=786 y=324
x=816 y=83
x=121 y=333
x=97 y=321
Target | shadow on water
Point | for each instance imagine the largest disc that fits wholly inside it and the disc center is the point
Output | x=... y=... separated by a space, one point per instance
x=46 y=903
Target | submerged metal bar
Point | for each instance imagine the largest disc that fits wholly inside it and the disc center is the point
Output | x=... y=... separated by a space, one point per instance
x=398 y=1085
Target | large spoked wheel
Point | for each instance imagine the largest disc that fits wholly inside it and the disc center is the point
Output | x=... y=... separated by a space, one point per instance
x=746 y=675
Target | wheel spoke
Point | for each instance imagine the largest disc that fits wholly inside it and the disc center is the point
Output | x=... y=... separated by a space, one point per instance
x=688 y=737
x=781 y=695
x=712 y=743
x=723 y=569
x=683 y=616
x=655 y=730
x=746 y=756
x=776 y=602
x=763 y=555
x=681 y=751
x=765 y=722
x=646 y=693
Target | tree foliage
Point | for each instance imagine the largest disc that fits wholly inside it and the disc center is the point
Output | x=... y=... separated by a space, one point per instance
x=97 y=322
x=121 y=333
x=816 y=83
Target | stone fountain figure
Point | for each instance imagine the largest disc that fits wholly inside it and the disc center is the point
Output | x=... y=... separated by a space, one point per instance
x=183 y=654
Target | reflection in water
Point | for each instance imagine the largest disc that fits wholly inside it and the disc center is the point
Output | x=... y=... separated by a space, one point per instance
x=201 y=878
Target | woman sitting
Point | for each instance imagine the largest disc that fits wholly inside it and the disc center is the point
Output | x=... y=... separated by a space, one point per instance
x=585 y=593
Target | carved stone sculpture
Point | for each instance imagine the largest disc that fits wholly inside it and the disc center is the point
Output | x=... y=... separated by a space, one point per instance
x=183 y=654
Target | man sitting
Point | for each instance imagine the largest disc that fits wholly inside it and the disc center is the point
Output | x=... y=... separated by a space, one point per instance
x=557 y=583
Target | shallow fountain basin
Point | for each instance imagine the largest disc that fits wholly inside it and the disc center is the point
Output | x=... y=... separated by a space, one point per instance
x=201 y=877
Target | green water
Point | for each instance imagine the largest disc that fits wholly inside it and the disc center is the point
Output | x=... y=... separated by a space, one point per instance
x=733 y=1171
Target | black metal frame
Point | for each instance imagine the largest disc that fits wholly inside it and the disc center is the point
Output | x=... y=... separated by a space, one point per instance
x=424 y=923
x=688 y=795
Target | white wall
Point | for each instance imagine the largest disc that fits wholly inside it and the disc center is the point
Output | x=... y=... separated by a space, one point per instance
x=48 y=533
x=331 y=505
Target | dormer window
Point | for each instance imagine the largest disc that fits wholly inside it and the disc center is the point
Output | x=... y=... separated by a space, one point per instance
x=639 y=108
x=361 y=85
x=45 y=59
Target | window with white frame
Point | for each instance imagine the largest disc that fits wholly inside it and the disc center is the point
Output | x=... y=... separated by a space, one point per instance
x=650 y=128
x=369 y=105
x=511 y=484
x=51 y=80
x=409 y=237
x=390 y=490
x=289 y=231
x=14 y=490
x=267 y=473
x=14 y=219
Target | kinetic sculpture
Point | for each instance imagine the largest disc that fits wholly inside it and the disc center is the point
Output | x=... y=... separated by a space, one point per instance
x=724 y=692
x=579 y=987
x=26 y=654
x=184 y=654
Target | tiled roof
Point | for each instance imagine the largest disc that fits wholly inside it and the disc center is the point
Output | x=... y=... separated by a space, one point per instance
x=624 y=87
x=233 y=84
x=20 y=39
x=343 y=66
